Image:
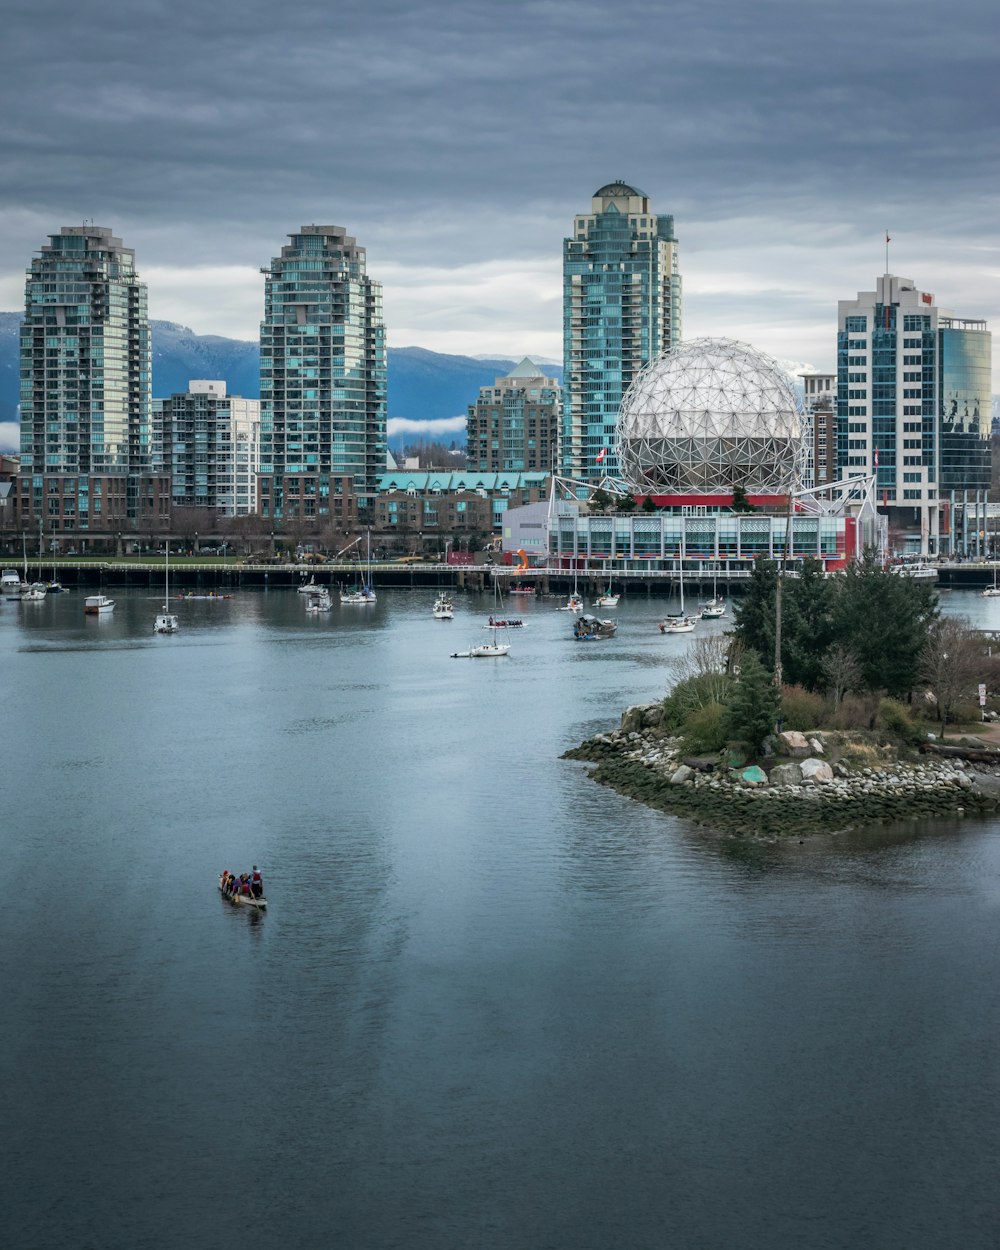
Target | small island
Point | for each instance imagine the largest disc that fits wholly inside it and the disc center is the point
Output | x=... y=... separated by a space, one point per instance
x=855 y=735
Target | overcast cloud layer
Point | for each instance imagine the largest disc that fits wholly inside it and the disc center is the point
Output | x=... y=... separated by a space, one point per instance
x=456 y=142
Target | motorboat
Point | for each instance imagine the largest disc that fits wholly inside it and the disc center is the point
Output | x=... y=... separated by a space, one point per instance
x=444 y=609
x=165 y=623
x=319 y=601
x=11 y=584
x=920 y=570
x=589 y=628
x=98 y=605
x=34 y=594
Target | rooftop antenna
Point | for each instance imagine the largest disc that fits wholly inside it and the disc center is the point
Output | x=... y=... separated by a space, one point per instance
x=888 y=240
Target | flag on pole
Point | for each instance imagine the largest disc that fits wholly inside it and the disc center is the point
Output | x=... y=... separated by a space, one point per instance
x=888 y=237
x=876 y=457
x=601 y=454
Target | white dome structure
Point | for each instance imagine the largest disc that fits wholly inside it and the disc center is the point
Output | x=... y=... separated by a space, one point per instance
x=707 y=416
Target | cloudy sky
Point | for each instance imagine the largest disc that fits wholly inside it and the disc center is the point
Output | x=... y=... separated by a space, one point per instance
x=457 y=140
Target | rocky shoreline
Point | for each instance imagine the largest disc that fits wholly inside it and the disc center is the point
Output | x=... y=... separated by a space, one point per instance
x=825 y=782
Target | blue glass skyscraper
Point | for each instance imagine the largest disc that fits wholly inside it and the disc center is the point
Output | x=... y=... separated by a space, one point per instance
x=322 y=376
x=914 y=409
x=621 y=309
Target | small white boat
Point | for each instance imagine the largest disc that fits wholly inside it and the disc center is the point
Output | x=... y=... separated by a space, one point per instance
x=444 y=609
x=573 y=604
x=713 y=610
x=678 y=624
x=485 y=651
x=319 y=601
x=98 y=605
x=34 y=594
x=991 y=592
x=921 y=570
x=166 y=622
x=363 y=595
x=607 y=600
x=10 y=583
x=309 y=587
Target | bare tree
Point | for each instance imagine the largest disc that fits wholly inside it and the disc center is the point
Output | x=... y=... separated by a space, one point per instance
x=950 y=663
x=712 y=657
x=841 y=670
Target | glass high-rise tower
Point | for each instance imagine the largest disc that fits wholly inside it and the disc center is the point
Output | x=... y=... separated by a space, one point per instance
x=914 y=409
x=621 y=309
x=322 y=376
x=86 y=389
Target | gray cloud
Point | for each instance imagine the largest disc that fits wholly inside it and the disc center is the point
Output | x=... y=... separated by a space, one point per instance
x=445 y=134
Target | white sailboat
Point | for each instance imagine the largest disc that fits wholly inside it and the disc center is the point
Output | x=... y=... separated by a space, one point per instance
x=715 y=608
x=493 y=649
x=607 y=598
x=679 y=623
x=991 y=592
x=365 y=593
x=574 y=603
x=166 y=621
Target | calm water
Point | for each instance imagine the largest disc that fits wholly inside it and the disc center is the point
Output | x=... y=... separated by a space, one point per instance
x=492 y=1004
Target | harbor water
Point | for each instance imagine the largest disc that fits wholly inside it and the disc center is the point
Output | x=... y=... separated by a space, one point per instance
x=491 y=1004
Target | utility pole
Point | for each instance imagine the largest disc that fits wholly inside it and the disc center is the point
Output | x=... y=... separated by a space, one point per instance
x=777 y=592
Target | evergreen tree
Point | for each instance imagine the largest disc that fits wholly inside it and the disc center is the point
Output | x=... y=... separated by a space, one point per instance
x=755 y=611
x=740 y=502
x=885 y=618
x=625 y=503
x=753 y=704
x=807 y=625
x=648 y=505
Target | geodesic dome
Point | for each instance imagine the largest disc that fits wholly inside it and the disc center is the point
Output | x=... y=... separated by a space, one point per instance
x=709 y=415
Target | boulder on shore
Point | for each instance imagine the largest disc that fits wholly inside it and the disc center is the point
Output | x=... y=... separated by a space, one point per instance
x=681 y=775
x=786 y=775
x=793 y=743
x=816 y=771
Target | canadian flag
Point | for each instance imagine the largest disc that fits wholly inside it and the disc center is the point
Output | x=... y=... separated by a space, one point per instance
x=601 y=454
x=928 y=299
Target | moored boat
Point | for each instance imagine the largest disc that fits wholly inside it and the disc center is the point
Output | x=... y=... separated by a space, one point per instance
x=34 y=594
x=589 y=628
x=713 y=610
x=98 y=605
x=444 y=609
x=678 y=624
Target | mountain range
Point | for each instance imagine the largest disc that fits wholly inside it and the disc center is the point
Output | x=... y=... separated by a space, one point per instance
x=428 y=392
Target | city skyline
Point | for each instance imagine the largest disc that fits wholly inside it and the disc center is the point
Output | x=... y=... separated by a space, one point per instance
x=784 y=141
